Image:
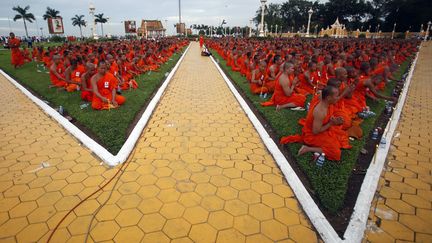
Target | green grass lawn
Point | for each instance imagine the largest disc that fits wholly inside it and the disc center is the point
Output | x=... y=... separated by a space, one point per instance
x=331 y=181
x=110 y=127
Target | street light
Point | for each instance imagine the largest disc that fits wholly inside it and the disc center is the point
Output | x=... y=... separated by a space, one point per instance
x=250 y=28
x=145 y=29
x=310 y=12
x=393 y=32
x=427 y=30
x=376 y=32
x=263 y=2
x=276 y=30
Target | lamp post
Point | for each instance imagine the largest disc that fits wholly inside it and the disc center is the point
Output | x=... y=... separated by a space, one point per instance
x=92 y=12
x=145 y=29
x=276 y=30
x=263 y=2
x=250 y=28
x=377 y=29
x=41 y=29
x=427 y=30
x=393 y=32
x=310 y=12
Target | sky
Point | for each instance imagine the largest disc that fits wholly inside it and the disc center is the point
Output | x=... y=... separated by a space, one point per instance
x=209 y=12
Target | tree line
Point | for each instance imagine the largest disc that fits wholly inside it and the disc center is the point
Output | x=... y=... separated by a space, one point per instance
x=292 y=15
x=77 y=20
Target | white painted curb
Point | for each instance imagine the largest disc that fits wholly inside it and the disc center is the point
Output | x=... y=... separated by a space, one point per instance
x=357 y=224
x=101 y=152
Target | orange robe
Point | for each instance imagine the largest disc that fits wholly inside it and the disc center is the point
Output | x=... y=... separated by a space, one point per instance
x=56 y=81
x=85 y=94
x=279 y=97
x=201 y=41
x=105 y=86
x=255 y=87
x=328 y=140
x=17 y=58
x=358 y=100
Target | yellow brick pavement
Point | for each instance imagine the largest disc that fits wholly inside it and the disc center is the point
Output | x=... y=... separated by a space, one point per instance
x=199 y=173
x=403 y=209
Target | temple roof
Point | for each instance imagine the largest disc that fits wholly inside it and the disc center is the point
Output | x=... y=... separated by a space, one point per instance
x=336 y=23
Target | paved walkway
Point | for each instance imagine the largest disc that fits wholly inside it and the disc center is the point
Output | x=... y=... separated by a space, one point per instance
x=402 y=211
x=199 y=173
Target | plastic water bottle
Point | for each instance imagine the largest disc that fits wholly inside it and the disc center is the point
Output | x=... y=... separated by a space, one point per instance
x=265 y=95
x=388 y=108
x=61 y=110
x=83 y=106
x=321 y=159
x=383 y=142
x=307 y=106
x=375 y=134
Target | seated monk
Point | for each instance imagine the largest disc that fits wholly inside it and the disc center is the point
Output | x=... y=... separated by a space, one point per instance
x=309 y=80
x=365 y=88
x=284 y=94
x=273 y=72
x=318 y=135
x=26 y=55
x=104 y=89
x=86 y=88
x=73 y=75
x=257 y=84
x=57 y=73
x=345 y=90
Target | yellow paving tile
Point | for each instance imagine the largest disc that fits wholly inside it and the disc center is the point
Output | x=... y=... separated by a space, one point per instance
x=405 y=204
x=200 y=173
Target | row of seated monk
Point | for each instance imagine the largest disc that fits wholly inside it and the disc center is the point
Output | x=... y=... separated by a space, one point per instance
x=99 y=70
x=339 y=75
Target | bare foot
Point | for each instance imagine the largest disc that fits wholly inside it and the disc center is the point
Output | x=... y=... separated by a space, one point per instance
x=278 y=108
x=302 y=150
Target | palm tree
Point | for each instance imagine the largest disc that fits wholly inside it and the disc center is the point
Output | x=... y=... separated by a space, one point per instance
x=79 y=20
x=51 y=13
x=99 y=18
x=22 y=14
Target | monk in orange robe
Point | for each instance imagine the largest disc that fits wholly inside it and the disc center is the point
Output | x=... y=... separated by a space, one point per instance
x=257 y=84
x=73 y=76
x=26 y=55
x=317 y=133
x=201 y=41
x=363 y=87
x=284 y=95
x=17 y=58
x=104 y=89
x=345 y=90
x=309 y=80
x=57 y=73
x=273 y=73
x=86 y=88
